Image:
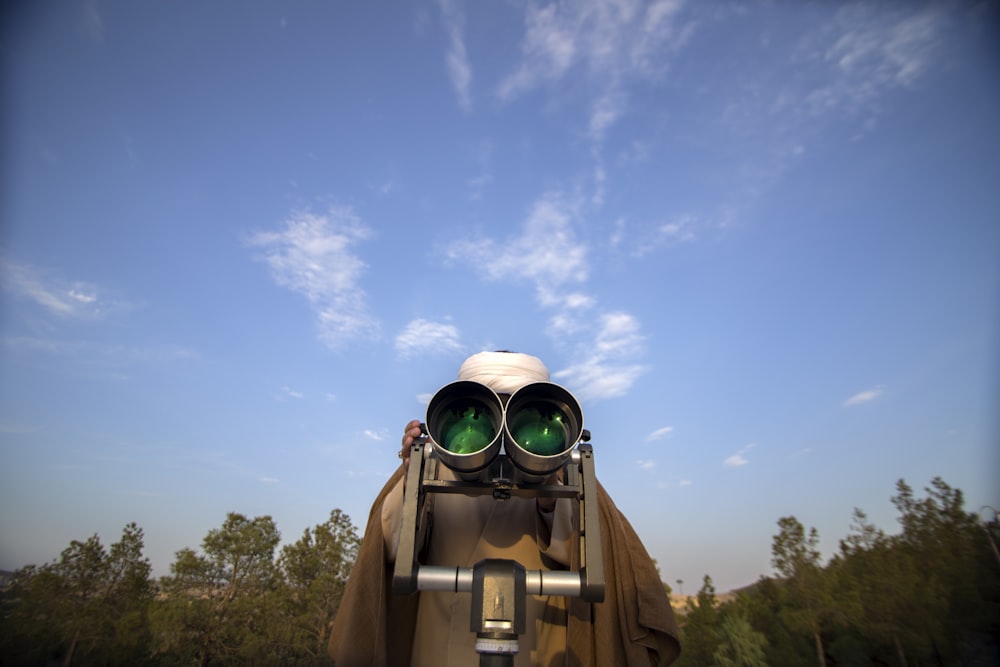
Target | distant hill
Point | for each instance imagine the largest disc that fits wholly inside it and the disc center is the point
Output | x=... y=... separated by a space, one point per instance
x=682 y=604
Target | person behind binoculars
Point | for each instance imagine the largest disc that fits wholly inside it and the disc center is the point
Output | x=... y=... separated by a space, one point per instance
x=634 y=625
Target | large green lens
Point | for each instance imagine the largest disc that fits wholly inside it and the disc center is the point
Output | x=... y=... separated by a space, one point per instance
x=540 y=430
x=467 y=428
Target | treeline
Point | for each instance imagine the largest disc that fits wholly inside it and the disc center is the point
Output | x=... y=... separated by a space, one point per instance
x=929 y=595
x=240 y=601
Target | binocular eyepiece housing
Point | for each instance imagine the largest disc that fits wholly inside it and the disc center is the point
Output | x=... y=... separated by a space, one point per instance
x=537 y=427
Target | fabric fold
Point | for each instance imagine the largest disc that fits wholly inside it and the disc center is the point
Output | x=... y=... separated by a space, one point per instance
x=634 y=625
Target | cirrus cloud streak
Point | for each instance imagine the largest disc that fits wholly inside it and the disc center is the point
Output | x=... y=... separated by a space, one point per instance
x=314 y=255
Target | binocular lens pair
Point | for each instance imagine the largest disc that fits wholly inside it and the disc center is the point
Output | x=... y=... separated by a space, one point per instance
x=541 y=430
x=538 y=426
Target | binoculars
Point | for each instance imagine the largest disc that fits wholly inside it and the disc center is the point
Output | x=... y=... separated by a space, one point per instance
x=537 y=427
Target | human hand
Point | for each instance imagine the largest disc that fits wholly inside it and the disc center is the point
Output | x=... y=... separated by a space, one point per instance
x=410 y=433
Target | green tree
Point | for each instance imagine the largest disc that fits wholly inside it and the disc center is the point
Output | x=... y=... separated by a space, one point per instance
x=88 y=607
x=739 y=644
x=315 y=571
x=950 y=588
x=796 y=557
x=875 y=575
x=29 y=635
x=701 y=628
x=763 y=604
x=217 y=605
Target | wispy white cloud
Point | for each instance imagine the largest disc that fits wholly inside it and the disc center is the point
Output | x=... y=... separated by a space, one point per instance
x=58 y=296
x=612 y=41
x=373 y=435
x=572 y=317
x=287 y=392
x=865 y=53
x=660 y=433
x=457 y=60
x=646 y=464
x=546 y=254
x=735 y=461
x=383 y=188
x=641 y=239
x=426 y=337
x=610 y=44
x=666 y=484
x=570 y=309
x=578 y=301
x=866 y=396
x=607 y=366
x=605 y=112
x=843 y=69
x=618 y=336
x=314 y=256
x=738 y=459
x=595 y=378
x=678 y=230
x=547 y=50
x=885 y=48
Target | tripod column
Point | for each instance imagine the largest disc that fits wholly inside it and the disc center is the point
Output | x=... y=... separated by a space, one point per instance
x=498 y=610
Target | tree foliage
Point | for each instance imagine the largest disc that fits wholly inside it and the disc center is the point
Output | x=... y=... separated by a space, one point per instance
x=928 y=595
x=701 y=629
x=796 y=557
x=315 y=571
x=739 y=644
x=216 y=606
x=88 y=607
x=233 y=603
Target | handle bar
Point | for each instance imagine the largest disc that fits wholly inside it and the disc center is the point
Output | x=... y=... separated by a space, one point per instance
x=459 y=580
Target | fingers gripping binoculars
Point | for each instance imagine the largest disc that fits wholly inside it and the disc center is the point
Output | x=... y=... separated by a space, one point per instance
x=468 y=424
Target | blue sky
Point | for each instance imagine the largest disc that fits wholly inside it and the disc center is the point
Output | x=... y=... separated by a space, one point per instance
x=243 y=243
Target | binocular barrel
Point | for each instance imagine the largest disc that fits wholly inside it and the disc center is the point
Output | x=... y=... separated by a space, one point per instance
x=538 y=427
x=543 y=422
x=465 y=426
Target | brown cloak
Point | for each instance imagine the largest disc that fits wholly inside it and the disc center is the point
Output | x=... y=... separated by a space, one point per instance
x=634 y=625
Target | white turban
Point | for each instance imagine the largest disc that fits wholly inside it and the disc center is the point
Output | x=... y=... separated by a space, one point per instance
x=503 y=372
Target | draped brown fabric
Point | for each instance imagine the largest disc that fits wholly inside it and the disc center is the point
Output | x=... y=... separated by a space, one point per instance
x=634 y=625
